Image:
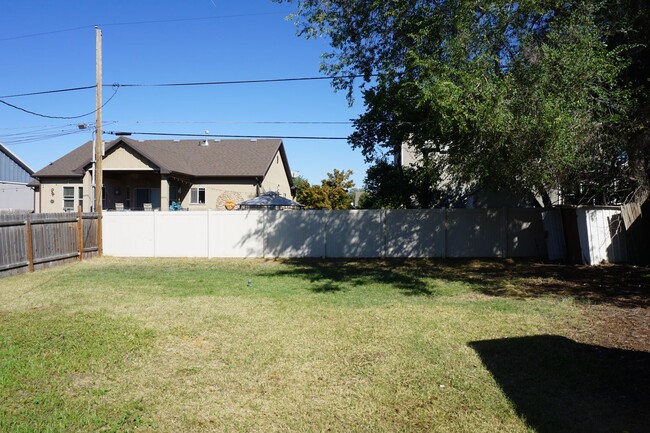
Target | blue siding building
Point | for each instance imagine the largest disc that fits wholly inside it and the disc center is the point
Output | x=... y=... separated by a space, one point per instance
x=14 y=177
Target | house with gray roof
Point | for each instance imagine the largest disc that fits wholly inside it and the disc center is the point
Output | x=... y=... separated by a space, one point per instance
x=15 y=175
x=166 y=174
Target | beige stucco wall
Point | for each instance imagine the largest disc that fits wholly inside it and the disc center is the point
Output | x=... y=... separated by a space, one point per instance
x=276 y=178
x=125 y=159
x=217 y=193
x=37 y=200
x=51 y=195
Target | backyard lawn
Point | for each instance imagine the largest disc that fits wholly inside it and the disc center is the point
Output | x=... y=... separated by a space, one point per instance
x=177 y=345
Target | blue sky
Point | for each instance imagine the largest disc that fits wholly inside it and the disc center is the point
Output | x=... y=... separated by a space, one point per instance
x=248 y=40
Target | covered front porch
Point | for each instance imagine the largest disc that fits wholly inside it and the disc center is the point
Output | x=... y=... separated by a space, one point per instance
x=143 y=190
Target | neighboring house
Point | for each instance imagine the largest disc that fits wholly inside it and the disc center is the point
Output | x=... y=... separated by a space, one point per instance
x=166 y=174
x=467 y=196
x=14 y=177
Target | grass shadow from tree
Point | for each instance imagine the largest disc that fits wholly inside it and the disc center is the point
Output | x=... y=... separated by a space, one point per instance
x=618 y=285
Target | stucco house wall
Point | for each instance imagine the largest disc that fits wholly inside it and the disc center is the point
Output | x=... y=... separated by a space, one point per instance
x=276 y=178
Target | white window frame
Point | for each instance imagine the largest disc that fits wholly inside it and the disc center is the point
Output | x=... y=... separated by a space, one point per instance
x=76 y=197
x=68 y=198
x=196 y=190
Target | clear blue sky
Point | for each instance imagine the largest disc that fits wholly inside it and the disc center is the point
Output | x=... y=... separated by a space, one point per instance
x=248 y=40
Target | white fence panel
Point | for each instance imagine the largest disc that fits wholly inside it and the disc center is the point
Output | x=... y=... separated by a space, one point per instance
x=525 y=233
x=295 y=233
x=236 y=234
x=362 y=233
x=354 y=234
x=129 y=234
x=181 y=234
x=415 y=233
x=476 y=233
x=602 y=235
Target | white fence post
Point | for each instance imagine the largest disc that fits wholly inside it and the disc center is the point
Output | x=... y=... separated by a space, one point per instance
x=208 y=234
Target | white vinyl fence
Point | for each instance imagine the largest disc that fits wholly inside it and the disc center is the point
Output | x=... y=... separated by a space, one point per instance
x=602 y=235
x=325 y=233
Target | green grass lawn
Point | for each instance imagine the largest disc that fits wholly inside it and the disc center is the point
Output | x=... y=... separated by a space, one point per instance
x=283 y=345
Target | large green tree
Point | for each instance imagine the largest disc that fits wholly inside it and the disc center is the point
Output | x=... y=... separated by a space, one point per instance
x=332 y=193
x=535 y=95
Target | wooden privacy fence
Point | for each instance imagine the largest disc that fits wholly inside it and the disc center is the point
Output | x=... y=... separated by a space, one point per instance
x=36 y=241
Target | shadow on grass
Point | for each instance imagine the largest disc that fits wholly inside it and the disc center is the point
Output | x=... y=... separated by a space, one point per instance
x=619 y=285
x=334 y=275
x=559 y=385
x=622 y=286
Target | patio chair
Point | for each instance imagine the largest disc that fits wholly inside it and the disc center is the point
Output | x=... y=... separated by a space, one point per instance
x=119 y=206
x=148 y=207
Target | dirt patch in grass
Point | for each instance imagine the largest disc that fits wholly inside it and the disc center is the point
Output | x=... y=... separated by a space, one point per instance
x=615 y=299
x=616 y=327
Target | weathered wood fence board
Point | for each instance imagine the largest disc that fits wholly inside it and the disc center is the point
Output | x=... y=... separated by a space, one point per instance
x=36 y=241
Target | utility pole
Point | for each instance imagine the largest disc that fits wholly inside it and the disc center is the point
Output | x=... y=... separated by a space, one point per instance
x=99 y=178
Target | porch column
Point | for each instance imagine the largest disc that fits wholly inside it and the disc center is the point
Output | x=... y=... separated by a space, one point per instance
x=164 y=193
x=88 y=187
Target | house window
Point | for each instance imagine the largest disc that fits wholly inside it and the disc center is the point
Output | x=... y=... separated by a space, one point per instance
x=197 y=195
x=68 y=198
x=80 y=197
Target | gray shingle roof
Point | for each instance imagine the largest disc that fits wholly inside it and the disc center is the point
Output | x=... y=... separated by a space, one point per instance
x=221 y=158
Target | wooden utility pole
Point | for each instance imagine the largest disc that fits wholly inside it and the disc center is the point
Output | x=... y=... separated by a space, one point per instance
x=99 y=178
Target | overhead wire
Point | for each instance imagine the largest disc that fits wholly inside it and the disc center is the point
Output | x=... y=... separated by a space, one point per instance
x=170 y=134
x=130 y=23
x=115 y=89
x=44 y=133
x=242 y=122
x=258 y=81
x=188 y=84
x=47 y=92
x=41 y=137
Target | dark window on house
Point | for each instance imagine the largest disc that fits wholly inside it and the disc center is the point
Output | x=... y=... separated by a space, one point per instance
x=68 y=198
x=80 y=197
x=197 y=196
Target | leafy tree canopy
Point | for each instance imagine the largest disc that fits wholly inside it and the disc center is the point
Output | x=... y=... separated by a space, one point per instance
x=332 y=193
x=535 y=95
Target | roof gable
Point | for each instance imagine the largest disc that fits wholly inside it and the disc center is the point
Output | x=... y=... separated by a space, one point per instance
x=12 y=168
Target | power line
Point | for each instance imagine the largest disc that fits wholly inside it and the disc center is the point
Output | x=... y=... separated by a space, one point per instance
x=220 y=83
x=115 y=89
x=45 y=133
x=11 y=38
x=132 y=23
x=47 y=92
x=169 y=134
x=190 y=84
x=243 y=122
x=176 y=20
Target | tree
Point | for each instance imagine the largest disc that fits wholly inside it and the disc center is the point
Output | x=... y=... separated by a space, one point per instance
x=525 y=96
x=332 y=193
x=301 y=184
